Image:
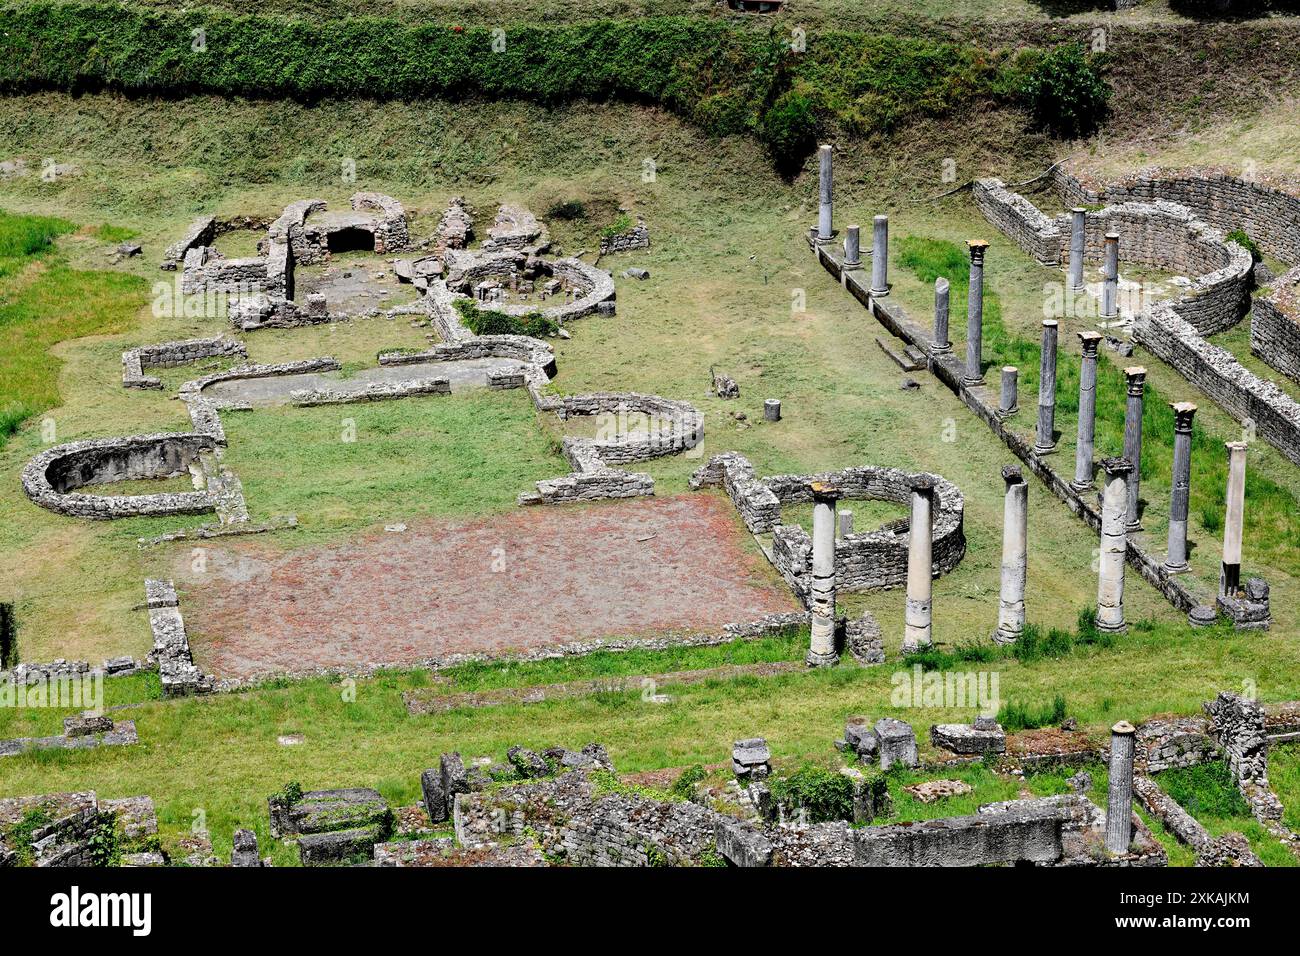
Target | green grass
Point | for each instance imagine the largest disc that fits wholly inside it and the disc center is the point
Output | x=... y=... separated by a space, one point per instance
x=1017 y=715
x=1207 y=792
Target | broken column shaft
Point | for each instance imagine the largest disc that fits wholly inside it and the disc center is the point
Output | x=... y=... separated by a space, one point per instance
x=852 y=247
x=920 y=567
x=1136 y=377
x=1008 y=399
x=1046 y=440
x=1015 y=556
x=1114 y=546
x=1180 y=491
x=975 y=314
x=1119 y=795
x=821 y=598
x=941 y=343
x=880 y=256
x=1087 y=411
x=1233 y=519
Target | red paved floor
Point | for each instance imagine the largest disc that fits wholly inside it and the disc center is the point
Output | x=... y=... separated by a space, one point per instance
x=531 y=578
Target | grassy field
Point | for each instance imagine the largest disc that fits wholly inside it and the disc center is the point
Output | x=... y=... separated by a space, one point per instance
x=728 y=261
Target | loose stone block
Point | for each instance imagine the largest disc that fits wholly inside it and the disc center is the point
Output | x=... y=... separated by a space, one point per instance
x=741 y=845
x=528 y=763
x=749 y=758
x=772 y=409
x=244 y=852
x=897 y=743
x=860 y=738
x=87 y=724
x=969 y=739
x=338 y=846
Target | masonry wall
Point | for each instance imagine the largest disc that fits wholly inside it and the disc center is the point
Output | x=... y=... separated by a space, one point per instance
x=1275 y=325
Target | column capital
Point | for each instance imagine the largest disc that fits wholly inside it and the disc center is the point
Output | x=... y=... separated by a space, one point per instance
x=1123 y=728
x=1012 y=475
x=1112 y=237
x=1137 y=377
x=1090 y=340
x=1183 y=412
x=922 y=484
x=1116 y=467
x=977 y=249
x=824 y=492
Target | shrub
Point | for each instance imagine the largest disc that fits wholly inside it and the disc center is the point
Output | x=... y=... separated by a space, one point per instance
x=819 y=794
x=1019 y=716
x=622 y=224
x=1065 y=91
x=491 y=322
x=788 y=128
x=567 y=209
x=684 y=786
x=1240 y=238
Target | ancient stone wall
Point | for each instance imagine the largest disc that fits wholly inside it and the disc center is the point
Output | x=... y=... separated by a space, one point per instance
x=638 y=237
x=172 y=354
x=52 y=478
x=1275 y=325
x=171 y=645
x=201 y=232
x=391 y=233
x=206 y=270
x=1020 y=220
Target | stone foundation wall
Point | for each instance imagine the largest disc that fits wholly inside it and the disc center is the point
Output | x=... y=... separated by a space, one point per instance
x=172 y=354
x=1215 y=371
x=373 y=392
x=1275 y=325
x=206 y=270
x=52 y=477
x=638 y=237
x=1022 y=221
x=1268 y=212
x=201 y=232
x=171 y=645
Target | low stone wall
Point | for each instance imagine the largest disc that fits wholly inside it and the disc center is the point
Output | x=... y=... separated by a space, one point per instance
x=172 y=354
x=52 y=477
x=1216 y=372
x=1275 y=325
x=171 y=645
x=864 y=561
x=201 y=232
x=1239 y=726
x=638 y=237
x=1268 y=212
x=373 y=392
x=206 y=270
x=1167 y=743
x=1020 y=220
x=1225 y=851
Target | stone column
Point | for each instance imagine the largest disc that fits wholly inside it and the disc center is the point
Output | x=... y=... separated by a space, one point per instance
x=941 y=344
x=1015 y=556
x=1110 y=278
x=1114 y=547
x=771 y=409
x=1077 y=218
x=1230 y=576
x=845 y=526
x=821 y=601
x=975 y=314
x=824 y=194
x=852 y=248
x=880 y=256
x=920 y=566
x=1180 y=493
x=1087 y=411
x=1008 y=401
x=1119 y=797
x=1047 y=390
x=1136 y=377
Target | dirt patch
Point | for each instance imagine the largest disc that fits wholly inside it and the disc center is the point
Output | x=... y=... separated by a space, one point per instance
x=529 y=579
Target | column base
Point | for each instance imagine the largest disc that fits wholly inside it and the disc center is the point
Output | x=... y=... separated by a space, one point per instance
x=945 y=349
x=915 y=648
x=1081 y=486
x=971 y=382
x=817 y=659
x=1176 y=568
x=857 y=264
x=1132 y=526
x=1008 y=412
x=1119 y=628
x=1044 y=449
x=878 y=293
x=1006 y=637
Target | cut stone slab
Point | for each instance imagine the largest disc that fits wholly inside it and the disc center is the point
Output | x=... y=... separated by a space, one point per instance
x=741 y=845
x=932 y=790
x=337 y=846
x=323 y=811
x=750 y=758
x=968 y=739
x=860 y=738
x=897 y=743
x=244 y=852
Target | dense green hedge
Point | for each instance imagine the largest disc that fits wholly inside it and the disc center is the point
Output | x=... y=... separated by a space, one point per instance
x=723 y=77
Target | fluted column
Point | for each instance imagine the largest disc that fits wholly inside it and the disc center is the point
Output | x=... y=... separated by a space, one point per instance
x=1136 y=377
x=1110 y=277
x=975 y=314
x=1015 y=556
x=1077 y=218
x=1233 y=519
x=821 y=601
x=1046 y=441
x=1087 y=411
x=824 y=189
x=1119 y=788
x=941 y=343
x=1180 y=492
x=920 y=564
x=1114 y=547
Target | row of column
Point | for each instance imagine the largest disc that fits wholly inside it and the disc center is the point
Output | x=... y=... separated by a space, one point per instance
x=1116 y=501
x=852 y=235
